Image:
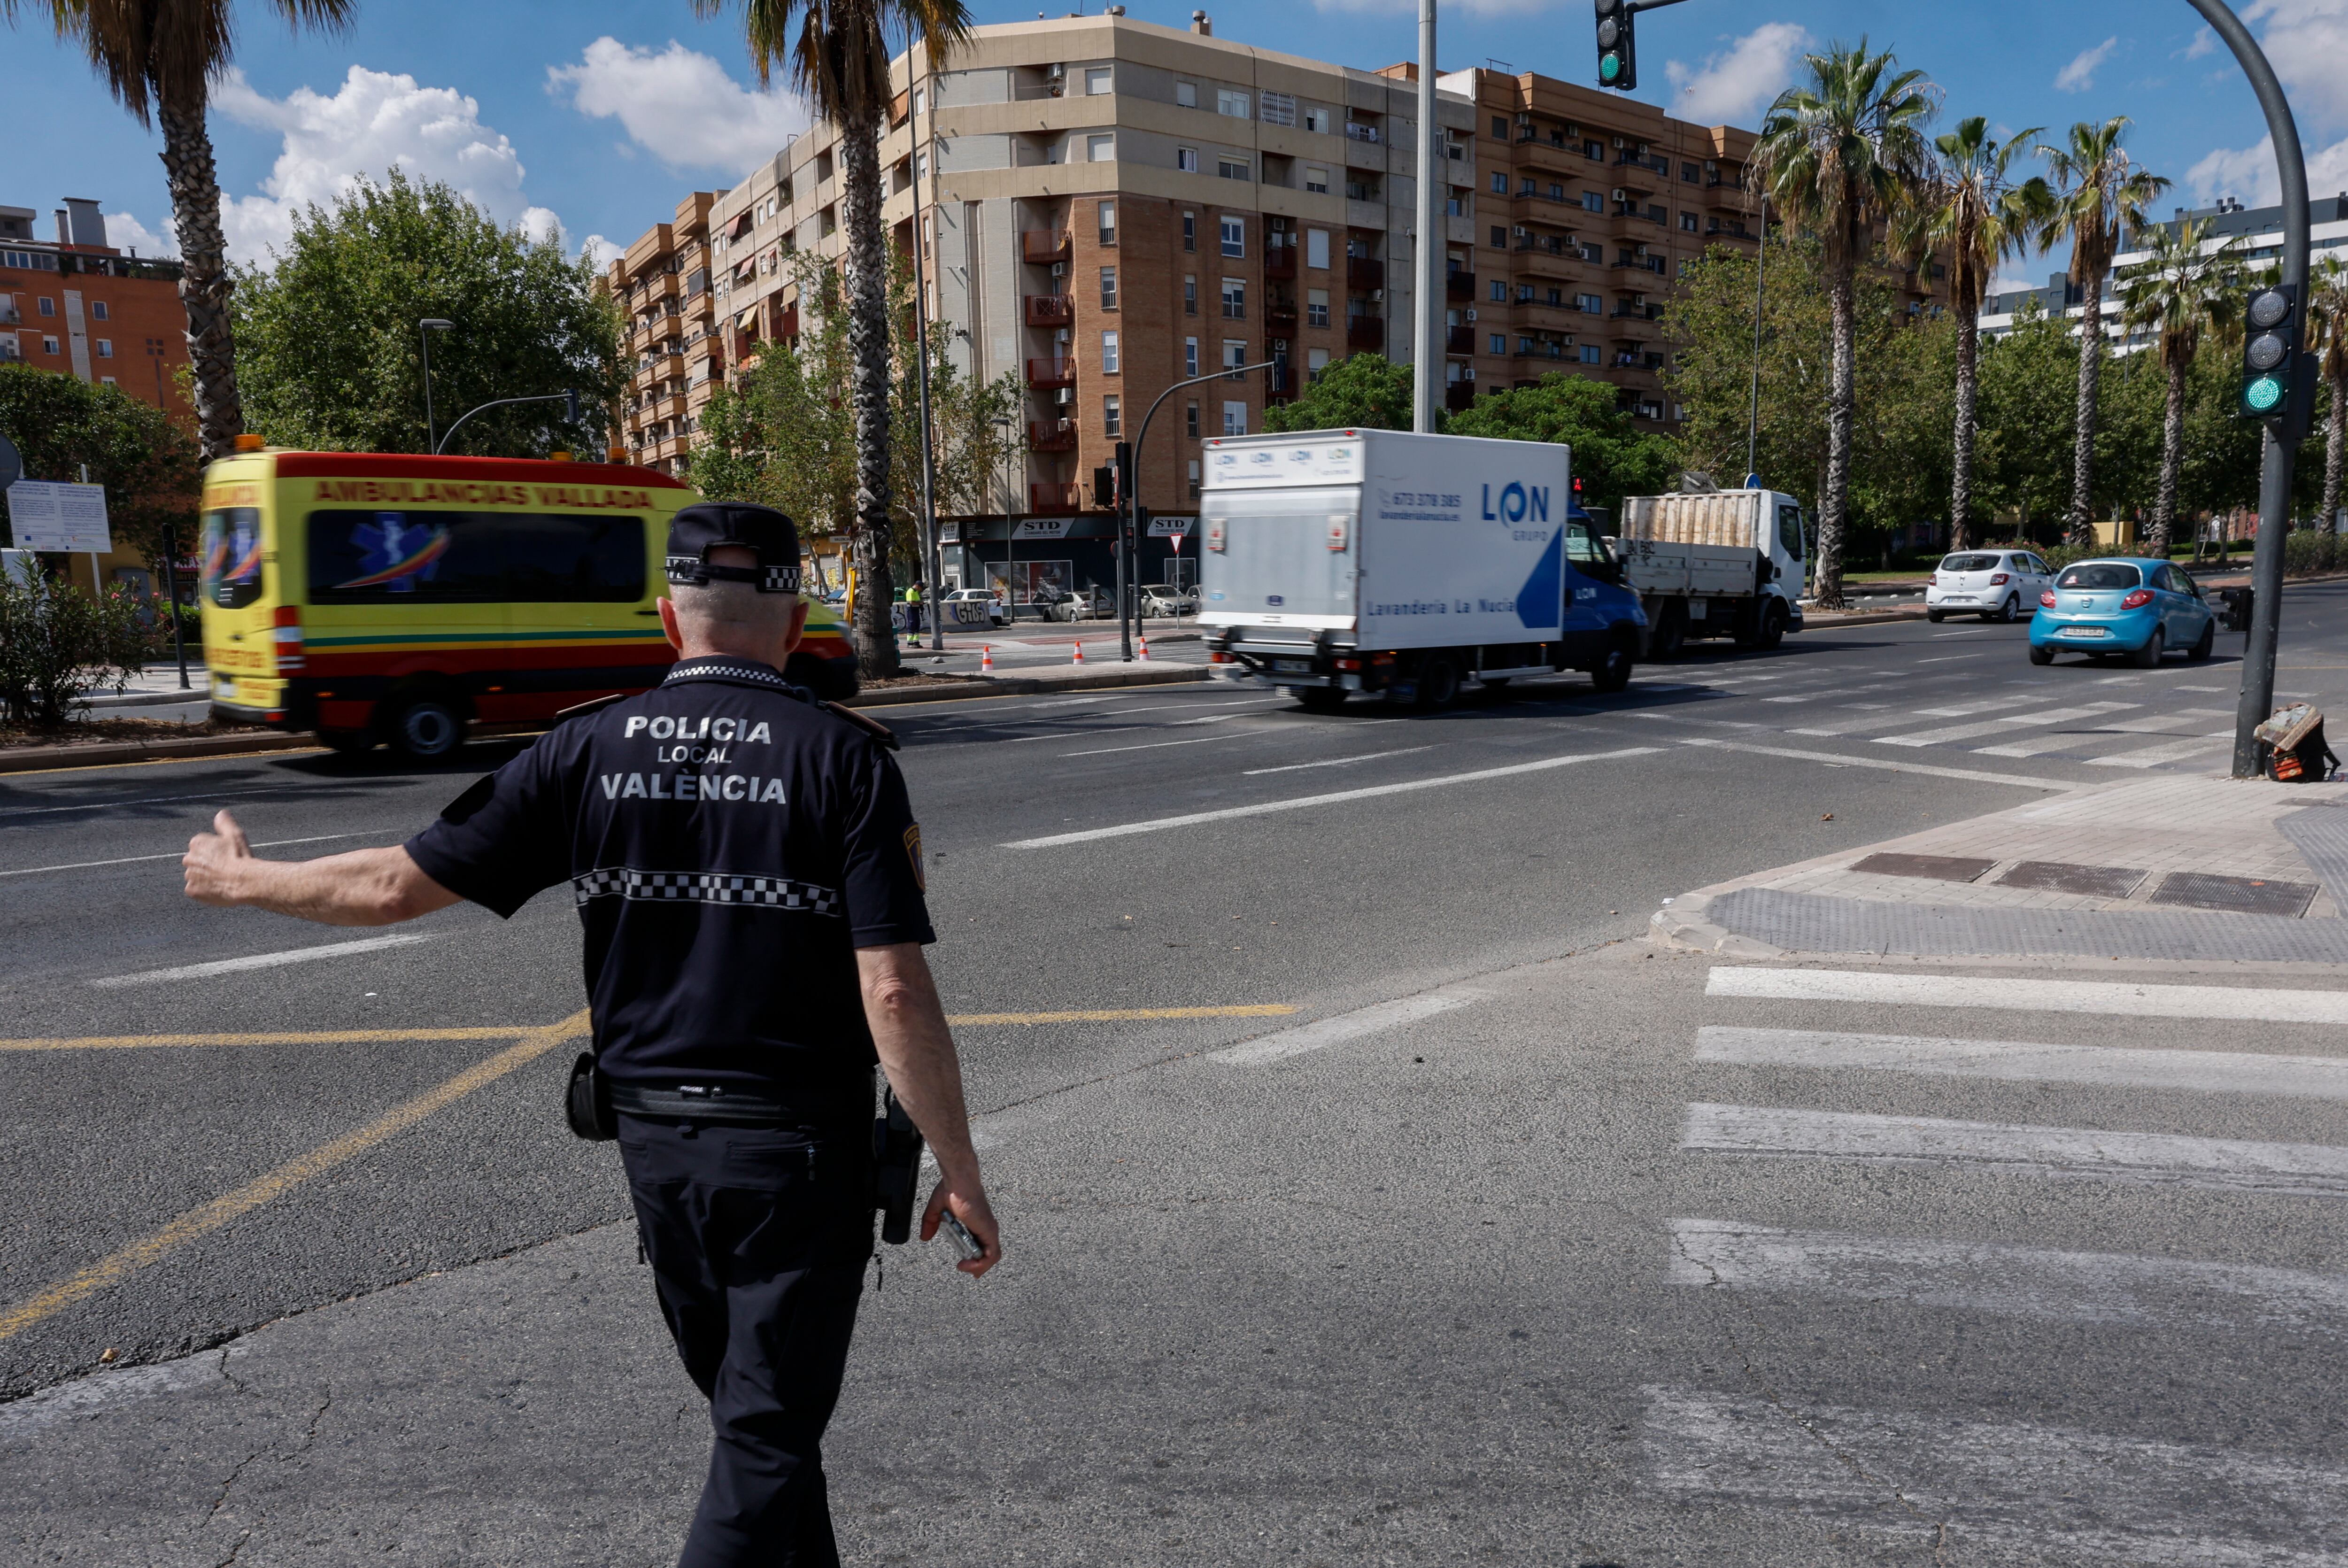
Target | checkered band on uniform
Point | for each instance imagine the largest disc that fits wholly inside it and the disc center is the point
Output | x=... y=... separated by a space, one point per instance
x=706 y=887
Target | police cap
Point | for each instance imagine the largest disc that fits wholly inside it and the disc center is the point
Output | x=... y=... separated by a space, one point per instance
x=698 y=528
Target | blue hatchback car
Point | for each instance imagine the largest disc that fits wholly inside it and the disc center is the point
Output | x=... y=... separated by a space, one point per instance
x=2123 y=605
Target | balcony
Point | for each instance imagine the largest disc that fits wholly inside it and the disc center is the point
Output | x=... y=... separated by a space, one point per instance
x=1365 y=332
x=1044 y=246
x=1046 y=373
x=1457 y=395
x=1280 y=262
x=1054 y=499
x=1279 y=317
x=1280 y=381
x=1365 y=273
x=1459 y=340
x=1363 y=133
x=1459 y=284
x=1051 y=310
x=657 y=367
x=1051 y=435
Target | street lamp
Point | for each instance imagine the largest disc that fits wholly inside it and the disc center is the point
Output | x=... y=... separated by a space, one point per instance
x=424 y=331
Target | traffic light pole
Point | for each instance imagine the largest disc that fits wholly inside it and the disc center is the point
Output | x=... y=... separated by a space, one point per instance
x=1129 y=503
x=2282 y=452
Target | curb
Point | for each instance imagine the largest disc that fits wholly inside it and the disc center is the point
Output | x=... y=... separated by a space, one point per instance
x=1681 y=924
x=35 y=758
x=1826 y=621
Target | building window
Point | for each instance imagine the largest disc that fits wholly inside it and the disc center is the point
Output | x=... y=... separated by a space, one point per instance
x=1234 y=355
x=49 y=306
x=1189 y=230
x=1108 y=354
x=1594 y=149
x=97 y=309
x=1230 y=103
x=1590 y=354
x=1316 y=307
x=1590 y=305
x=1234 y=236
x=1500 y=291
x=1557 y=296
x=1527 y=189
x=1500 y=182
x=1186 y=159
x=1317 y=119
x=1194 y=478
x=1189 y=357
x=1278 y=109
x=1100 y=148
x=1110 y=417
x=1499 y=129
x=1096 y=81
x=1687 y=222
x=1107 y=212
x=1316 y=361
x=1234 y=299
x=107 y=380
x=1691 y=174
x=49 y=344
x=1454 y=206
x=1499 y=238
x=1109 y=288
x=1524 y=294
x=1500 y=343
x=1190 y=418
x=1235 y=418
x=1316 y=179
x=105 y=348
x=1231 y=168
x=1186 y=93
x=1593 y=202
x=1524 y=345
x=1190 y=293
x=1316 y=248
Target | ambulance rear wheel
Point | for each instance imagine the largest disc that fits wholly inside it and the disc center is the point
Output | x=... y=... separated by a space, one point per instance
x=428 y=728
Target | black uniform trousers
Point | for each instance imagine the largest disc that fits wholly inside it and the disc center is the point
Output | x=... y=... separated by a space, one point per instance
x=758 y=1239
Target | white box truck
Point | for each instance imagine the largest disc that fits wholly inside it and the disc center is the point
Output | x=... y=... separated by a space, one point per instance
x=1403 y=566
x=1718 y=564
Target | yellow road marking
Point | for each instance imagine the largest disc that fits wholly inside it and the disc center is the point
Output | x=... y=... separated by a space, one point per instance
x=313 y=1037
x=1122 y=1014
x=220 y=1211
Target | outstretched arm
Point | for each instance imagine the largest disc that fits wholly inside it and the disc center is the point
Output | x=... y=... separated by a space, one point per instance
x=364 y=887
x=917 y=1052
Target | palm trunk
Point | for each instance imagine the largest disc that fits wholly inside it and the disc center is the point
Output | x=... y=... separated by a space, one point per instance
x=2335 y=436
x=1960 y=489
x=1834 y=500
x=204 y=283
x=867 y=351
x=2080 y=528
x=2172 y=457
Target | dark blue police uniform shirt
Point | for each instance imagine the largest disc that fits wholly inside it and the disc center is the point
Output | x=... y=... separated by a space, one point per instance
x=730 y=845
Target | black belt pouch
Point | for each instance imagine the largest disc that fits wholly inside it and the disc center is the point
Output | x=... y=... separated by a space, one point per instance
x=587 y=1103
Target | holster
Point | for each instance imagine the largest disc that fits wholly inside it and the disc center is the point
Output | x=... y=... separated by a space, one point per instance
x=587 y=1101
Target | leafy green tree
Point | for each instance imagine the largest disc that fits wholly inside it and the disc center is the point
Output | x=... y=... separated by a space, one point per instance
x=1613 y=458
x=1361 y=391
x=330 y=355
x=2185 y=285
x=160 y=57
x=837 y=52
x=2327 y=320
x=2029 y=378
x=1836 y=154
x=146 y=463
x=2101 y=194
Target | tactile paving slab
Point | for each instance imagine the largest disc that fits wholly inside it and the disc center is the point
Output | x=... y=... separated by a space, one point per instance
x=2058 y=876
x=1938 y=868
x=2235 y=896
x=1815 y=923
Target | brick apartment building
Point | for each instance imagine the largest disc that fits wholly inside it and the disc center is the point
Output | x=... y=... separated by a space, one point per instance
x=663 y=285
x=77 y=305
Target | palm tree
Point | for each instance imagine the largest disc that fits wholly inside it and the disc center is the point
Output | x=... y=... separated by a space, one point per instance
x=2185 y=285
x=2103 y=194
x=1975 y=213
x=2327 y=320
x=838 y=56
x=159 y=56
x=1836 y=154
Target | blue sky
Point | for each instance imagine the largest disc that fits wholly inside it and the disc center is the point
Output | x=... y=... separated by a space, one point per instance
x=597 y=116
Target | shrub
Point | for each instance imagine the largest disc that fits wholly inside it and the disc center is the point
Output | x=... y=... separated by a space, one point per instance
x=57 y=644
x=2306 y=553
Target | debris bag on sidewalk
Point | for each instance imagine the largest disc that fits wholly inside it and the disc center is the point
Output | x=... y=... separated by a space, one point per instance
x=2291 y=748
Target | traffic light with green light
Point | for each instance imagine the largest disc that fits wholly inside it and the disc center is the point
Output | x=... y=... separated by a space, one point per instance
x=1618 y=55
x=2270 y=352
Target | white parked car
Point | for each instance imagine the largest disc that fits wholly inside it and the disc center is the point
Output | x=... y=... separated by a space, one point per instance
x=986 y=596
x=1995 y=584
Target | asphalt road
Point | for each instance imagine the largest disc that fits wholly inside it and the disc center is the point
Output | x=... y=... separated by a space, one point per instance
x=1415 y=1298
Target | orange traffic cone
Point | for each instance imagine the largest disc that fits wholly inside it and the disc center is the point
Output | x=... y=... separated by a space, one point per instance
x=985 y=657
x=1143 y=654
x=1080 y=653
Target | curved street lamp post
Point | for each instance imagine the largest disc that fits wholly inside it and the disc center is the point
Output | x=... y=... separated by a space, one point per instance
x=1129 y=522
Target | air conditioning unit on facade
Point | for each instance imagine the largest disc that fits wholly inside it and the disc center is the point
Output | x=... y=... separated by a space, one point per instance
x=1620 y=142
x=1059 y=268
x=1621 y=194
x=1471 y=315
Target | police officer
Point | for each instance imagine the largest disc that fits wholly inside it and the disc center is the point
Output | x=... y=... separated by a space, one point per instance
x=750 y=874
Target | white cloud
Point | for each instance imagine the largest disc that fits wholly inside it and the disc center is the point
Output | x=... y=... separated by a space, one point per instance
x=2205 y=42
x=2080 y=74
x=678 y=105
x=2308 y=42
x=373 y=123
x=1740 y=81
x=2248 y=173
x=125 y=232
x=602 y=251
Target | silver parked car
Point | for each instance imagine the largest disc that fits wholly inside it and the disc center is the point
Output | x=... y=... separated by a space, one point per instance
x=1995 y=584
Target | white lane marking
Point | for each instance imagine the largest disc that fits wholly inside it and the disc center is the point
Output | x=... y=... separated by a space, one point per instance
x=2013 y=1281
x=2010 y=721
x=1944 y=658
x=1959 y=710
x=176 y=854
x=1215 y=717
x=261 y=961
x=2152 y=755
x=104 y=1390
x=1160 y=824
x=2200 y=1072
x=2222 y=1164
x=2074 y=740
x=145 y=800
x=1326 y=1032
x=1075 y=734
x=1194 y=740
x=2091 y=1496
x=2181 y=686
x=2261 y=1003
x=1883 y=764
x=1335 y=761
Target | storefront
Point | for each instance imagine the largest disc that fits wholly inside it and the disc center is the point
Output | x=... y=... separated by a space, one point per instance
x=1065 y=554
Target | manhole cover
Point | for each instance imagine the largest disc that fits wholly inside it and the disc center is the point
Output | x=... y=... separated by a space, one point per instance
x=2238 y=896
x=2054 y=876
x=1940 y=868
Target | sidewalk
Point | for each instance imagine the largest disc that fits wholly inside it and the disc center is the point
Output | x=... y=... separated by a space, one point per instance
x=2194 y=869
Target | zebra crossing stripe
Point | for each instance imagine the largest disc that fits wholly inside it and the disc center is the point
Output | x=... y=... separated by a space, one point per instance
x=2091 y=1496
x=2198 y=1072
x=2115 y=1288
x=2031 y=996
x=2008 y=721
x=2222 y=1164
x=2153 y=756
